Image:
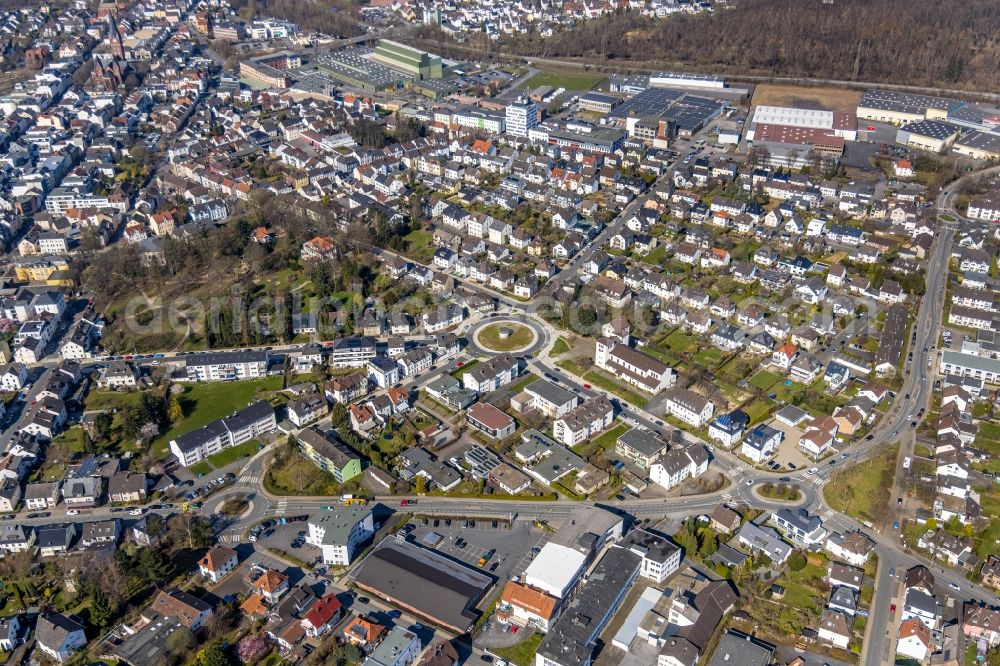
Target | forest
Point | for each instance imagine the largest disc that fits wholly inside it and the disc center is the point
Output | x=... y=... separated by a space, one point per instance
x=916 y=42
x=332 y=17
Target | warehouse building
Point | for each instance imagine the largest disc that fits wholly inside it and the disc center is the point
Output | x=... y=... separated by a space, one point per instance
x=270 y=70
x=900 y=108
x=354 y=68
x=413 y=62
x=684 y=113
x=598 y=103
x=843 y=124
x=792 y=146
x=555 y=570
x=935 y=136
x=684 y=80
x=573 y=637
x=600 y=140
x=978 y=145
x=424 y=582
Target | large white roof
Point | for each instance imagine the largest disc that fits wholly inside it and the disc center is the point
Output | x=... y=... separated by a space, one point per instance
x=554 y=569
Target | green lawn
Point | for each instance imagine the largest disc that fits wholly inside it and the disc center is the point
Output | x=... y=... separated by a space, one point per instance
x=201 y=469
x=802 y=588
x=204 y=403
x=764 y=380
x=861 y=490
x=523 y=653
x=567 y=81
x=679 y=342
x=609 y=384
x=520 y=337
x=420 y=245
x=73 y=439
x=758 y=410
x=560 y=347
x=605 y=441
x=989 y=437
x=458 y=372
x=104 y=400
x=708 y=358
x=519 y=385
x=572 y=367
x=230 y=455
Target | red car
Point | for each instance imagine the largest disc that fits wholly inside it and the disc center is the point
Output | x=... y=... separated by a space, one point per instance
x=892 y=608
x=460 y=364
x=407 y=502
x=586 y=386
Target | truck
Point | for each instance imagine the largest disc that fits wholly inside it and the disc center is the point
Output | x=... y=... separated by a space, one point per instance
x=360 y=501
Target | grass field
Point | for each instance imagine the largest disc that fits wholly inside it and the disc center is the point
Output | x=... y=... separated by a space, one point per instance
x=519 y=385
x=420 y=246
x=520 y=337
x=708 y=358
x=458 y=372
x=104 y=400
x=560 y=347
x=204 y=403
x=758 y=410
x=562 y=80
x=609 y=384
x=523 y=653
x=764 y=380
x=201 y=469
x=861 y=490
x=679 y=342
x=298 y=476
x=230 y=455
x=831 y=99
x=602 y=442
x=988 y=437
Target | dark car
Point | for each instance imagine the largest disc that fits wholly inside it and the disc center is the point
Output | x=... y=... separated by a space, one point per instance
x=364 y=600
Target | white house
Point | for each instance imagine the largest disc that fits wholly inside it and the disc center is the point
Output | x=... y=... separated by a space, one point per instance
x=689 y=407
x=339 y=532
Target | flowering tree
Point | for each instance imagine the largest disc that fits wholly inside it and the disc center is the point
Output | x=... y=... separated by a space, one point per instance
x=252 y=647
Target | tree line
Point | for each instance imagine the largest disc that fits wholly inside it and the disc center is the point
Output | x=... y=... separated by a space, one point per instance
x=916 y=42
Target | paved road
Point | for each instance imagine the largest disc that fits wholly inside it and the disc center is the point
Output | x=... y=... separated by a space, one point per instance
x=919 y=385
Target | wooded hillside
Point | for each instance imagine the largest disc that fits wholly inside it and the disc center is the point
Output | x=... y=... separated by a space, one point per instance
x=919 y=42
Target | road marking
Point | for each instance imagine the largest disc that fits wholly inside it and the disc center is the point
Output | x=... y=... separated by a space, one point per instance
x=250 y=479
x=726 y=497
x=282 y=507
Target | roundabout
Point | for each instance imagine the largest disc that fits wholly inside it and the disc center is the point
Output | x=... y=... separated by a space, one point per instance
x=502 y=335
x=505 y=336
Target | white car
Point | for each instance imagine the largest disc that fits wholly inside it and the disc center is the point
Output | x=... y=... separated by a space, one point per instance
x=906 y=462
x=750 y=482
x=135 y=512
x=73 y=512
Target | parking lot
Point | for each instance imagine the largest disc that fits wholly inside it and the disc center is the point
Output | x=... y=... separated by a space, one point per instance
x=290 y=538
x=512 y=547
x=788 y=451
